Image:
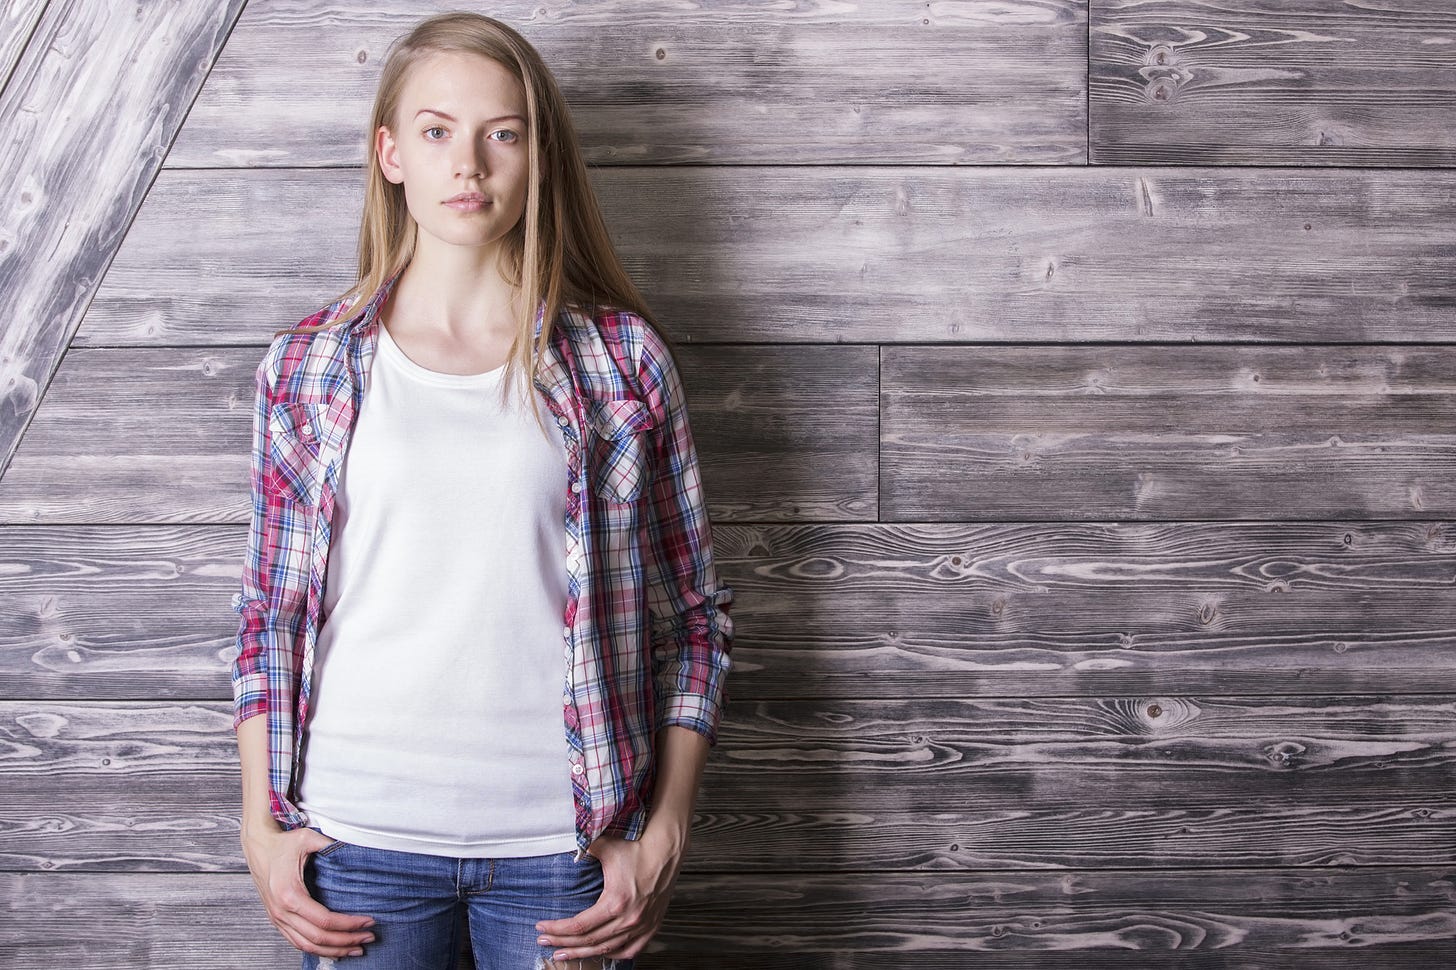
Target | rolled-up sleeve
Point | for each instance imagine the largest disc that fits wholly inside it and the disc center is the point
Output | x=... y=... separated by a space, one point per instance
x=249 y=666
x=692 y=632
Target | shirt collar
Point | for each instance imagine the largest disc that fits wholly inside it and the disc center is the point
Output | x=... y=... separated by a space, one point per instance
x=363 y=318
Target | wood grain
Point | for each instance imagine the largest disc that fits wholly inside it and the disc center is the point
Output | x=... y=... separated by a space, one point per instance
x=1385 y=919
x=1147 y=918
x=799 y=423
x=1167 y=433
x=706 y=83
x=937 y=610
x=78 y=155
x=885 y=255
x=1074 y=385
x=20 y=19
x=1164 y=782
x=1272 y=82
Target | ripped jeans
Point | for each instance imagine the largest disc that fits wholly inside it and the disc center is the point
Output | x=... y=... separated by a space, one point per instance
x=416 y=901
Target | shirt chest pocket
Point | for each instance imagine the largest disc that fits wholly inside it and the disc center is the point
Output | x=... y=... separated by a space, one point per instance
x=294 y=436
x=621 y=447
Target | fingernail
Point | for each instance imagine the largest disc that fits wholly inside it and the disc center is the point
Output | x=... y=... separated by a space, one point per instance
x=543 y=941
x=559 y=955
x=356 y=953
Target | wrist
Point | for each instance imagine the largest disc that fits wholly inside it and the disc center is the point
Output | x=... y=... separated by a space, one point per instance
x=669 y=828
x=254 y=824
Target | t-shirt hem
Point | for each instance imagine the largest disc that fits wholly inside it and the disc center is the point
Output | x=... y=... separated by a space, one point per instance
x=545 y=845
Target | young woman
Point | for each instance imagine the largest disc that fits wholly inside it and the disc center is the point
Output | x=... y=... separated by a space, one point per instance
x=483 y=644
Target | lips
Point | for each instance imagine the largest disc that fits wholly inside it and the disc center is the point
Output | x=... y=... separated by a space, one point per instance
x=466 y=197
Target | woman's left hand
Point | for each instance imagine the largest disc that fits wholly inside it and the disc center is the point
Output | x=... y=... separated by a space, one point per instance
x=637 y=881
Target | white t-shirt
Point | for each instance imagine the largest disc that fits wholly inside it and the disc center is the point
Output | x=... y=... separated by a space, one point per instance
x=436 y=723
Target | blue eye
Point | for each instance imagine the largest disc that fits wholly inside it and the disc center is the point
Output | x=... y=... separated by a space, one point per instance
x=499 y=131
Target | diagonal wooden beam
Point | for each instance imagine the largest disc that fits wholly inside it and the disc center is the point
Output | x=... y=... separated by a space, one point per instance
x=17 y=22
x=97 y=95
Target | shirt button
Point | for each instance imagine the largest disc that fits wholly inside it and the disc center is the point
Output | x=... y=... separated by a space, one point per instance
x=566 y=699
x=307 y=431
x=562 y=421
x=566 y=630
x=576 y=486
x=577 y=769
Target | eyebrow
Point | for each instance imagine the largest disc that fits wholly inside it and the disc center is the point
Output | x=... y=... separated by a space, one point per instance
x=491 y=121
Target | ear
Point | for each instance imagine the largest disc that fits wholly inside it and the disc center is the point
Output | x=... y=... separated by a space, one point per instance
x=388 y=154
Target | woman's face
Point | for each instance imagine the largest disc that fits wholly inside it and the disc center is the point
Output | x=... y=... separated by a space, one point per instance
x=461 y=127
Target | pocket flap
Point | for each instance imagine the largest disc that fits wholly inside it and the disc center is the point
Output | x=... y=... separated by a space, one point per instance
x=294 y=433
x=615 y=417
x=297 y=421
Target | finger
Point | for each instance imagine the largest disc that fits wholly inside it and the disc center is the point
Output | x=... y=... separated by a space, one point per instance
x=613 y=929
x=321 y=936
x=326 y=938
x=621 y=938
x=294 y=898
x=609 y=946
x=309 y=919
x=300 y=943
x=316 y=913
x=318 y=842
x=597 y=915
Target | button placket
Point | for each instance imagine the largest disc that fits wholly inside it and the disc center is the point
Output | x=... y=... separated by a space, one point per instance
x=574 y=558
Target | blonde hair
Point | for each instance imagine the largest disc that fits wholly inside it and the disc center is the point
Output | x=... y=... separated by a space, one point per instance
x=560 y=251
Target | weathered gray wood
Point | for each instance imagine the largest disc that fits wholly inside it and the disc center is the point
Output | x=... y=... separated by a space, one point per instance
x=1272 y=82
x=118 y=611
x=1398 y=956
x=935 y=785
x=1151 y=918
x=890 y=81
x=934 y=610
x=1152 y=433
x=173 y=448
x=887 y=255
x=957 y=610
x=860 y=836
x=954 y=737
x=166 y=823
x=1266 y=918
x=96 y=96
x=799 y=423
x=19 y=19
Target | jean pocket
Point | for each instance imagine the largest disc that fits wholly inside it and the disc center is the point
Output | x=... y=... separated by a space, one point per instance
x=334 y=846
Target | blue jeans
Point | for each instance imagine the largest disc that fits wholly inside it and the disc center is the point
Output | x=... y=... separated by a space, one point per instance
x=417 y=900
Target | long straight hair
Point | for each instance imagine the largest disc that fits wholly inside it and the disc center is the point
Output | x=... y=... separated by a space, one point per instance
x=559 y=252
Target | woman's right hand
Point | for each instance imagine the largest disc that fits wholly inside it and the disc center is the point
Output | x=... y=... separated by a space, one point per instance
x=276 y=859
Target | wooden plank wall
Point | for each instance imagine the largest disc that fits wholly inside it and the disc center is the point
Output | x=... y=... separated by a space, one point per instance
x=1076 y=386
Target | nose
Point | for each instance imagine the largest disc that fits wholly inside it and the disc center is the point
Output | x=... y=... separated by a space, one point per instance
x=471 y=161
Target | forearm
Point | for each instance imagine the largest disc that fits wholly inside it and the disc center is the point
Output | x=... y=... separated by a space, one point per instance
x=253 y=756
x=682 y=753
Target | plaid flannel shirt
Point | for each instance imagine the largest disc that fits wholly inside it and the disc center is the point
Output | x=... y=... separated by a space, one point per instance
x=646 y=634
